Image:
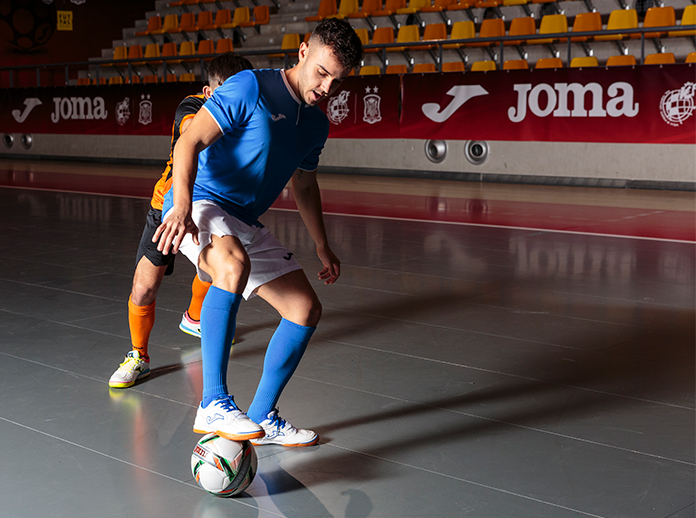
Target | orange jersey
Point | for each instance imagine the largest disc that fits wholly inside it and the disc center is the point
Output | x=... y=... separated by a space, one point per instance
x=186 y=110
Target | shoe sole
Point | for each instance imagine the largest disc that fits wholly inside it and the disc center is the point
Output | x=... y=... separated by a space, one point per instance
x=232 y=436
x=189 y=332
x=126 y=384
x=297 y=445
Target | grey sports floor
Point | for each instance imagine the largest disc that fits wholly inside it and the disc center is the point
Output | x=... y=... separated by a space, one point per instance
x=458 y=371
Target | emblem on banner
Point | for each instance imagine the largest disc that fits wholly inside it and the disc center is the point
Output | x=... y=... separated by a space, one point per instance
x=338 y=107
x=678 y=105
x=29 y=104
x=123 y=111
x=145 y=115
x=372 y=102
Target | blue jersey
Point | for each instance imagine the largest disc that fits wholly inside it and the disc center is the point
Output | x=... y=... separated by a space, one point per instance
x=268 y=133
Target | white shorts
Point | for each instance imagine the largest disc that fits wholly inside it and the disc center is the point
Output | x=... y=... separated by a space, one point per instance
x=269 y=258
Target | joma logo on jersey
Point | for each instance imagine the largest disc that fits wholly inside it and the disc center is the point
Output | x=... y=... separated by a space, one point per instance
x=544 y=100
x=78 y=108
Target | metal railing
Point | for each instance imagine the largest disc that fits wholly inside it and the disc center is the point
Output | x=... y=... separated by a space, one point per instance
x=126 y=67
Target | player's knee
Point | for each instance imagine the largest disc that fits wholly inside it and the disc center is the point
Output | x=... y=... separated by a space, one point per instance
x=230 y=273
x=313 y=312
x=143 y=295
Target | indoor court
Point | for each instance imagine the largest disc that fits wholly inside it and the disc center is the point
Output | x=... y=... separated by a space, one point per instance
x=471 y=360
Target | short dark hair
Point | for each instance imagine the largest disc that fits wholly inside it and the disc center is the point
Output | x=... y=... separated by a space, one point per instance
x=341 y=38
x=226 y=65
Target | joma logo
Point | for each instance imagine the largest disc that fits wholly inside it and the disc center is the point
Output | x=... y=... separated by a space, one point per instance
x=78 y=108
x=555 y=100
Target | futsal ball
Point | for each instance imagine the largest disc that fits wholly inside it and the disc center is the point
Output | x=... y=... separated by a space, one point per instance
x=27 y=24
x=222 y=467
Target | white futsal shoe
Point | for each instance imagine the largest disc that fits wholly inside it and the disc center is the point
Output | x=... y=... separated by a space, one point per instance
x=279 y=431
x=224 y=418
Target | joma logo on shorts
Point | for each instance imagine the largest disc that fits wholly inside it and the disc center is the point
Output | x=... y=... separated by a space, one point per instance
x=78 y=108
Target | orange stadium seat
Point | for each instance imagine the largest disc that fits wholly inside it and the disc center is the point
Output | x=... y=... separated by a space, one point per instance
x=397 y=69
x=169 y=50
x=224 y=45
x=242 y=16
x=370 y=70
x=223 y=18
x=664 y=58
x=363 y=35
x=116 y=80
x=171 y=22
x=490 y=28
x=205 y=21
x=135 y=52
x=187 y=77
x=514 y=2
x=380 y=36
x=434 y=32
x=549 y=63
x=152 y=52
x=346 y=8
x=424 y=68
x=690 y=58
x=688 y=18
x=83 y=81
x=290 y=41
x=119 y=53
x=150 y=79
x=206 y=47
x=326 y=8
x=523 y=26
x=461 y=4
x=187 y=48
x=390 y=7
x=368 y=8
x=586 y=22
x=483 y=66
x=154 y=23
x=620 y=19
x=462 y=30
x=621 y=61
x=413 y=7
x=515 y=64
x=584 y=62
x=551 y=24
x=453 y=66
x=658 y=17
x=438 y=6
x=406 y=34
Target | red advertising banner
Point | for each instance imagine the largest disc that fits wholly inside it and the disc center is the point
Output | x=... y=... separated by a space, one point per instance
x=622 y=104
x=645 y=104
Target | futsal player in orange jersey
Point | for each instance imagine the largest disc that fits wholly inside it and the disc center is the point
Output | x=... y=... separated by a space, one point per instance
x=151 y=264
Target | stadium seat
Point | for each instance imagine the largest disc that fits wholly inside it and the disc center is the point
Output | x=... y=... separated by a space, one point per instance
x=549 y=63
x=434 y=32
x=483 y=66
x=658 y=17
x=453 y=66
x=423 y=68
x=584 y=62
x=150 y=79
x=224 y=45
x=135 y=52
x=261 y=16
x=363 y=35
x=462 y=30
x=413 y=7
x=346 y=8
x=690 y=58
x=326 y=8
x=380 y=36
x=406 y=34
x=514 y=2
x=119 y=53
x=134 y=80
x=483 y=4
x=688 y=18
x=116 y=80
x=522 y=26
x=620 y=19
x=206 y=47
x=515 y=64
x=621 y=61
x=223 y=18
x=370 y=70
x=187 y=77
x=438 y=6
x=664 y=58
x=187 y=48
x=290 y=41
x=397 y=69
x=490 y=28
x=154 y=23
x=83 y=81
x=152 y=52
x=242 y=15
x=169 y=50
x=101 y=81
x=461 y=4
x=171 y=21
x=551 y=24
x=368 y=8
x=205 y=21
x=586 y=22
x=187 y=23
x=390 y=7
x=170 y=78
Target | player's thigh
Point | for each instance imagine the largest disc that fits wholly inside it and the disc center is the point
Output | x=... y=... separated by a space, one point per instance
x=226 y=262
x=293 y=297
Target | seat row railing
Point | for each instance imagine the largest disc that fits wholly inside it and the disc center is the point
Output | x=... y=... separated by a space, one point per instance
x=127 y=67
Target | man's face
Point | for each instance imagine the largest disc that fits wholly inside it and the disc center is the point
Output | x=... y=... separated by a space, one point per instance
x=320 y=73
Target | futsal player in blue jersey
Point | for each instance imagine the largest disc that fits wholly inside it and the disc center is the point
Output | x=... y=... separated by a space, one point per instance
x=259 y=130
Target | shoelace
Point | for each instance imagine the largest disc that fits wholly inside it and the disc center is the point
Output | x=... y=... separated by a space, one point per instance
x=227 y=404
x=278 y=421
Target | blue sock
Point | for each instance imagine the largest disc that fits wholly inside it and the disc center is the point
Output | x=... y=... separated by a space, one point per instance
x=218 y=321
x=284 y=353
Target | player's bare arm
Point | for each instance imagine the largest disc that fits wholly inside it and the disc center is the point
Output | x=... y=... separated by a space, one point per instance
x=200 y=133
x=308 y=199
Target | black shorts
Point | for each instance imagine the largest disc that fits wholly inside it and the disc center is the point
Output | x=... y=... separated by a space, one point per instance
x=149 y=249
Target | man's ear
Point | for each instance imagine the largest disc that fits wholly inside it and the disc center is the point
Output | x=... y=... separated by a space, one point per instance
x=207 y=91
x=304 y=50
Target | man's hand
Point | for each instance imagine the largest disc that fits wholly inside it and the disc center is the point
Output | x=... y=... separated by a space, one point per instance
x=332 y=266
x=173 y=229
